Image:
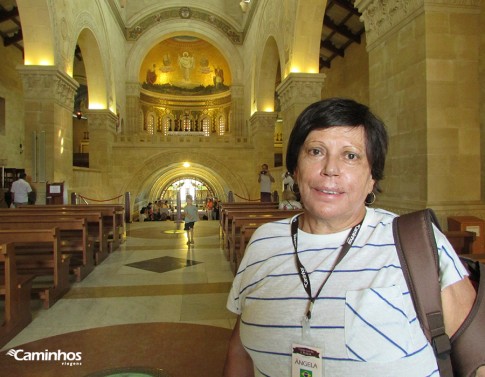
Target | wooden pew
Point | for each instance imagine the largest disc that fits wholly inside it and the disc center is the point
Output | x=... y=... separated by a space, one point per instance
x=37 y=252
x=239 y=221
x=15 y=291
x=97 y=233
x=475 y=257
x=236 y=237
x=462 y=241
x=229 y=214
x=73 y=233
x=247 y=232
x=224 y=207
x=113 y=218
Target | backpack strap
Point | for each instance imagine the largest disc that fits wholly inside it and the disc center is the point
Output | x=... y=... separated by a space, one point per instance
x=418 y=254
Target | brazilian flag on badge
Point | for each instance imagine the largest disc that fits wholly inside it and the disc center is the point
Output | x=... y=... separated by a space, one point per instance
x=305 y=373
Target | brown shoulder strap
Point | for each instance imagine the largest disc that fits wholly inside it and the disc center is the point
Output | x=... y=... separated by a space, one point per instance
x=418 y=254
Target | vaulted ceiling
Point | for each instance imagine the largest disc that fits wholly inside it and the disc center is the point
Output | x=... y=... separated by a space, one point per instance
x=10 y=27
x=341 y=26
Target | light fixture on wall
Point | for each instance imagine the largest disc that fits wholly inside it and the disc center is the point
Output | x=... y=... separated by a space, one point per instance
x=244 y=4
x=79 y=115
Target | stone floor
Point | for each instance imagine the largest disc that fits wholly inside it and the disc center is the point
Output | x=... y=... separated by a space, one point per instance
x=156 y=304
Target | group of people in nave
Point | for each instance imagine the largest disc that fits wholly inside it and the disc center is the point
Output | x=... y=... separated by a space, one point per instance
x=212 y=209
x=157 y=211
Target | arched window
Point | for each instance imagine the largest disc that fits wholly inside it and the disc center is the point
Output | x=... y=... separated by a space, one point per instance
x=168 y=124
x=221 y=124
x=187 y=122
x=206 y=126
x=150 y=124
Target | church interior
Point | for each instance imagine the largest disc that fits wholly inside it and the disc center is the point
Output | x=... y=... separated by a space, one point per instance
x=134 y=102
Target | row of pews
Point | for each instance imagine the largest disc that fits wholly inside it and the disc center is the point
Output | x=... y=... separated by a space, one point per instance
x=43 y=248
x=239 y=220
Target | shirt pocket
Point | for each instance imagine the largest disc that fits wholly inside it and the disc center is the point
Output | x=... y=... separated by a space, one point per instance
x=376 y=325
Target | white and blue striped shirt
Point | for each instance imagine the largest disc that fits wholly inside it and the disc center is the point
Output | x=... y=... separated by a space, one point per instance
x=363 y=319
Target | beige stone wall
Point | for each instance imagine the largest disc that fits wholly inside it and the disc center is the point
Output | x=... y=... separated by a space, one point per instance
x=452 y=106
x=423 y=75
x=11 y=91
x=349 y=76
x=481 y=98
x=398 y=95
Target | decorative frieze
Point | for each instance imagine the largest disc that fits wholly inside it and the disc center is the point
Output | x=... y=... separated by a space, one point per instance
x=48 y=83
x=184 y=13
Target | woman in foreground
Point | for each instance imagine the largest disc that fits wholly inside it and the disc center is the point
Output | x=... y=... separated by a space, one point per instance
x=323 y=294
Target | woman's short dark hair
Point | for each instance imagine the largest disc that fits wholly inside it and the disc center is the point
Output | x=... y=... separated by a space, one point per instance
x=341 y=112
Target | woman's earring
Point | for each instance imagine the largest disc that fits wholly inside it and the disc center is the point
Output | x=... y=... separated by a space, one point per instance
x=370 y=199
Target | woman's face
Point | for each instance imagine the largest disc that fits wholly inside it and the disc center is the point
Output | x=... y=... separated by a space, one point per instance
x=334 y=178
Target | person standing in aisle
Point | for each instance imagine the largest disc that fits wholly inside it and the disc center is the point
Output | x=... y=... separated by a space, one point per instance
x=265 y=180
x=191 y=215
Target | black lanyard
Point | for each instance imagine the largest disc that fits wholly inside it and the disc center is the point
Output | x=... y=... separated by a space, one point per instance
x=305 y=279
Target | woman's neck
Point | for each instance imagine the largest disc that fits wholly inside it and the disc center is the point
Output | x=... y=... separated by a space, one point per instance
x=329 y=226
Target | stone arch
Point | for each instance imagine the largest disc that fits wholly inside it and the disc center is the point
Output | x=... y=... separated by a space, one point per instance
x=268 y=52
x=197 y=173
x=173 y=28
x=90 y=32
x=38 y=38
x=266 y=77
x=95 y=73
x=305 y=54
x=222 y=178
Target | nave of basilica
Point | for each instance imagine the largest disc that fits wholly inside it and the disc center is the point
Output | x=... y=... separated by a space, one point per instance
x=136 y=101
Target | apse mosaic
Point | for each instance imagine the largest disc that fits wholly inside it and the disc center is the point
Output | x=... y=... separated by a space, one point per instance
x=185 y=66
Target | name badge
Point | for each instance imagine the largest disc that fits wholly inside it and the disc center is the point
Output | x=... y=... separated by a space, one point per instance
x=306 y=361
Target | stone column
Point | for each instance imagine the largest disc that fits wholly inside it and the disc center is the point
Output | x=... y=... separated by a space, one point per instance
x=237 y=109
x=296 y=92
x=132 y=108
x=262 y=125
x=102 y=130
x=49 y=104
x=423 y=82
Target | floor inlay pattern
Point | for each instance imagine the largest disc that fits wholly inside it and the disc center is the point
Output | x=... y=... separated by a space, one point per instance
x=163 y=264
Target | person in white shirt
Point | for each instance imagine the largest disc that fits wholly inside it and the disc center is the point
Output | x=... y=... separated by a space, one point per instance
x=265 y=180
x=20 y=190
x=288 y=181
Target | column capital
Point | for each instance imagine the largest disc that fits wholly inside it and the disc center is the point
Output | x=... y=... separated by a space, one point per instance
x=262 y=120
x=382 y=17
x=237 y=91
x=300 y=88
x=133 y=89
x=48 y=83
x=101 y=120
